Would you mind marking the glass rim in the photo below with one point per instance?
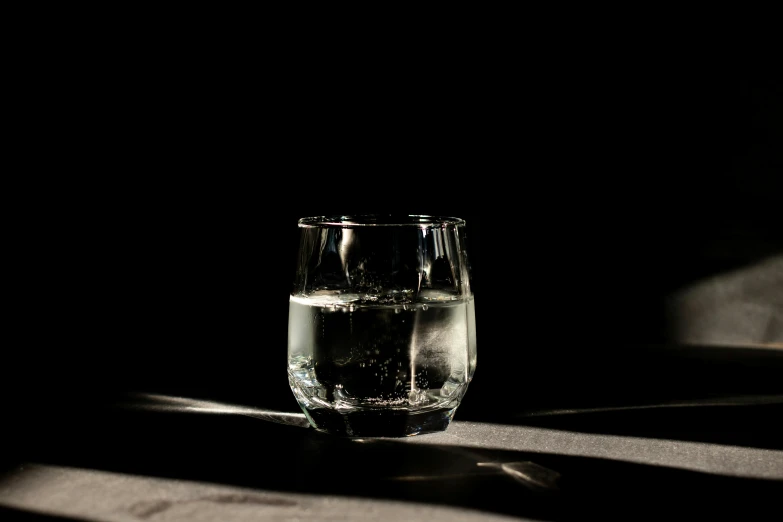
(381, 220)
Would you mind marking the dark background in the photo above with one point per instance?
(154, 179)
(162, 258)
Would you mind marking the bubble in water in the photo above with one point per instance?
(424, 307)
(397, 310)
(416, 396)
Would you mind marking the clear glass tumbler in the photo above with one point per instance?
(381, 324)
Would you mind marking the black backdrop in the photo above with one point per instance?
(590, 194)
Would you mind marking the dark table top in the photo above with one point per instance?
(619, 451)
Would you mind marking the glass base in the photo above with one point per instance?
(386, 423)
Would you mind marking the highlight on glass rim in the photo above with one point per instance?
(381, 328)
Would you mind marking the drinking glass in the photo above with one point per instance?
(381, 324)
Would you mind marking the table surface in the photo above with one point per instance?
(678, 452)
